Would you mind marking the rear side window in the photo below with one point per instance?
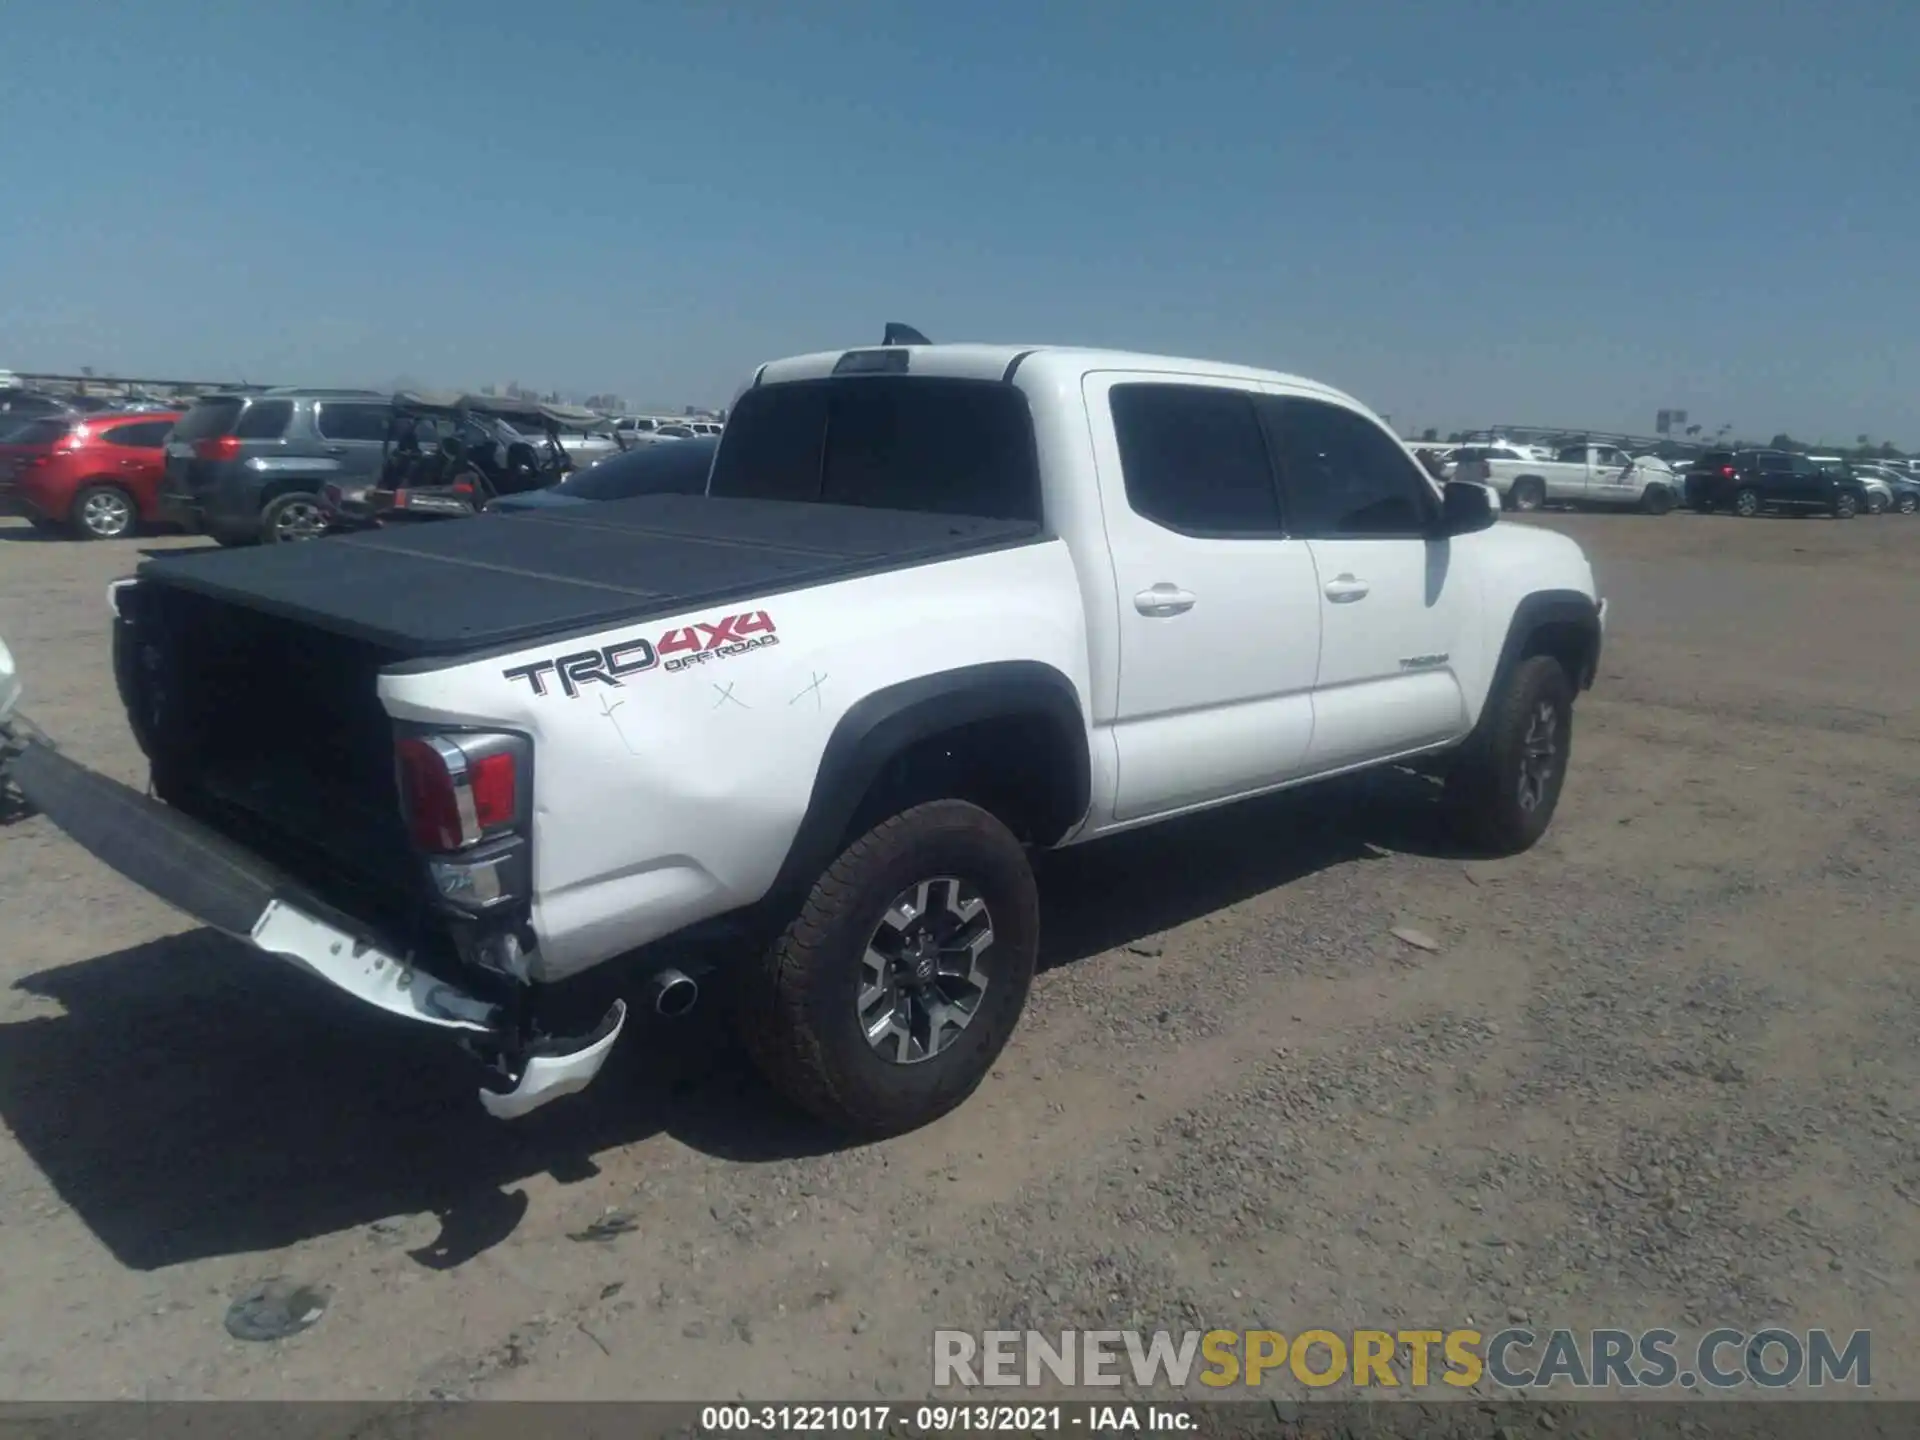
(209, 418)
(148, 435)
(265, 420)
(1343, 475)
(346, 420)
(948, 447)
(1192, 459)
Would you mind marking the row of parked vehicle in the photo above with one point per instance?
(1748, 481)
(292, 464)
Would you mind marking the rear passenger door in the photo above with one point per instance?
(1396, 604)
(1218, 614)
(351, 435)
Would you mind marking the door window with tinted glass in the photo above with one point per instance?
(348, 420)
(1192, 459)
(1342, 475)
(147, 435)
(265, 420)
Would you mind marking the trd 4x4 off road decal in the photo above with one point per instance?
(676, 650)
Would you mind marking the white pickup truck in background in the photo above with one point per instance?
(1597, 475)
(940, 605)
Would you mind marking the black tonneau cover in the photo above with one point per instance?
(500, 581)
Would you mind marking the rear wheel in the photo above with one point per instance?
(1846, 505)
(1528, 494)
(1746, 501)
(1907, 504)
(293, 516)
(103, 512)
(886, 1001)
(1502, 793)
(1657, 501)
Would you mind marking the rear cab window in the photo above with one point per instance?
(931, 444)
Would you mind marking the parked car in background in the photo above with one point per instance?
(95, 476)
(646, 470)
(1750, 482)
(1903, 489)
(19, 405)
(1585, 475)
(245, 468)
(1879, 493)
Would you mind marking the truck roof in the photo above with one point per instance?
(1001, 362)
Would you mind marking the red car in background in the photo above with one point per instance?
(97, 476)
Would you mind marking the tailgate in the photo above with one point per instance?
(183, 862)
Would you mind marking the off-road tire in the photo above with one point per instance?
(1483, 786)
(795, 1009)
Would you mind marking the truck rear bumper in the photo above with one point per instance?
(212, 880)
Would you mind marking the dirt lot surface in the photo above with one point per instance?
(1659, 1071)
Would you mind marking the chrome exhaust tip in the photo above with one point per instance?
(672, 993)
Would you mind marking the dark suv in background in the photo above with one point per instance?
(1748, 482)
(247, 468)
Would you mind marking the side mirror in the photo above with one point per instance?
(1465, 508)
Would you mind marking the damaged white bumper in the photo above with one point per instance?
(207, 877)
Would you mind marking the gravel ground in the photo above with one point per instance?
(1659, 1071)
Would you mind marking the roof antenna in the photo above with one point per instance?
(898, 334)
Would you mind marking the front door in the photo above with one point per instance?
(1218, 609)
(352, 433)
(1395, 602)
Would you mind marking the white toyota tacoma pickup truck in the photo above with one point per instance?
(940, 604)
(1602, 475)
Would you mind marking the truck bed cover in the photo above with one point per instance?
(460, 587)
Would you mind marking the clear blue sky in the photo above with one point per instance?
(1464, 212)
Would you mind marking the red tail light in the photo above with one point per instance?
(1726, 472)
(455, 791)
(220, 447)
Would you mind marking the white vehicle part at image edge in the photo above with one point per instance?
(9, 684)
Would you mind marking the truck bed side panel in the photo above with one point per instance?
(673, 796)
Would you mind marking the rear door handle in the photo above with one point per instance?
(1344, 589)
(336, 449)
(1163, 600)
